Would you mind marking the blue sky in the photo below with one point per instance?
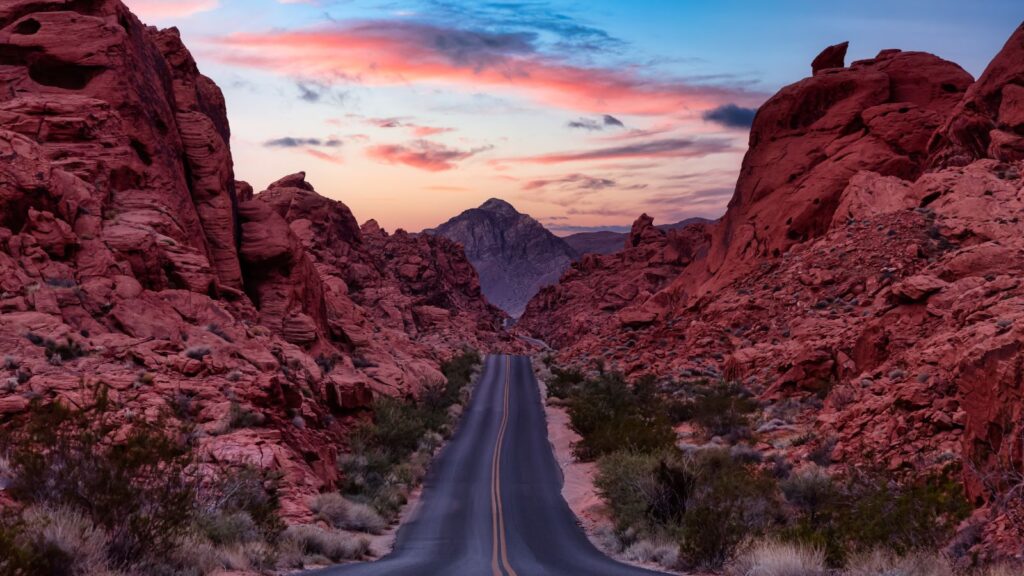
(581, 114)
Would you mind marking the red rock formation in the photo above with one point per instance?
(832, 57)
(843, 269)
(122, 229)
(811, 138)
(988, 123)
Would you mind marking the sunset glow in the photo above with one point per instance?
(576, 113)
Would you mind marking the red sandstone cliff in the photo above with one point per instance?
(873, 252)
(124, 231)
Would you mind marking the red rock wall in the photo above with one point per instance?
(123, 229)
(872, 254)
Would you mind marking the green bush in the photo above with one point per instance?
(139, 489)
(563, 382)
(102, 497)
(610, 416)
(377, 469)
(731, 502)
(720, 409)
(871, 512)
(709, 501)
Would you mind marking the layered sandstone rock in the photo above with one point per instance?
(844, 269)
(130, 254)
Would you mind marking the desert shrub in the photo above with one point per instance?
(380, 470)
(563, 382)
(709, 502)
(774, 558)
(610, 416)
(334, 509)
(198, 352)
(223, 528)
(664, 553)
(811, 491)
(139, 489)
(870, 512)
(723, 409)
(731, 502)
(243, 491)
(66, 534)
(103, 498)
(332, 545)
(902, 518)
(241, 417)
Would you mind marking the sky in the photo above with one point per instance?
(584, 114)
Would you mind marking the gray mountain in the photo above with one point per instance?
(514, 255)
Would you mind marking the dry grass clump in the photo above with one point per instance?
(665, 554)
(774, 558)
(75, 537)
(886, 563)
(339, 512)
(317, 544)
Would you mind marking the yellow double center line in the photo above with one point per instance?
(499, 555)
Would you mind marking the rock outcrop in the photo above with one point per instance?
(514, 255)
(607, 242)
(129, 254)
(871, 256)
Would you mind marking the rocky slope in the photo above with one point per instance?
(871, 255)
(514, 254)
(130, 254)
(607, 242)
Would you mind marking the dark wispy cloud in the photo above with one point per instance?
(585, 124)
(575, 181)
(610, 120)
(314, 92)
(731, 116)
(421, 154)
(594, 125)
(666, 148)
(299, 142)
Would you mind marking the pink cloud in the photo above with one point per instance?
(421, 154)
(321, 155)
(395, 53)
(163, 9)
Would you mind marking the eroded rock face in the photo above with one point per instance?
(845, 269)
(989, 122)
(811, 138)
(124, 231)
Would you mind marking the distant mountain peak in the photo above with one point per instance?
(514, 255)
(498, 205)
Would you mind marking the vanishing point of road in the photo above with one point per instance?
(492, 502)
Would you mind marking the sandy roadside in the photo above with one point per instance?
(578, 478)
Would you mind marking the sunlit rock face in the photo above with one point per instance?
(871, 255)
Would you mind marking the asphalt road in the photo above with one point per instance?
(492, 503)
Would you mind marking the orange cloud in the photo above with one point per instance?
(390, 53)
(421, 154)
